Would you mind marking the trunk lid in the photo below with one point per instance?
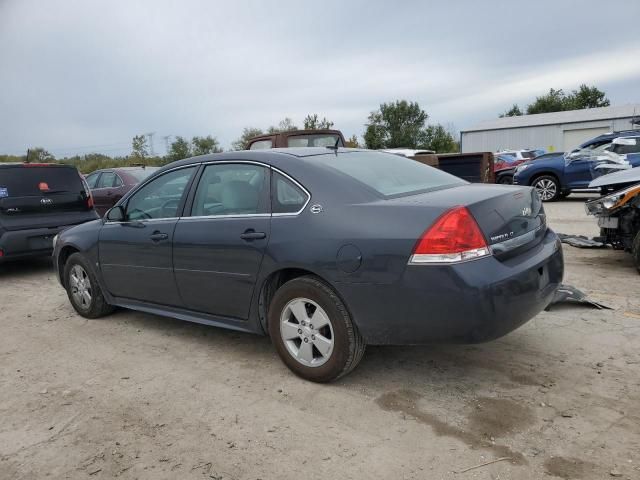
(511, 218)
(42, 196)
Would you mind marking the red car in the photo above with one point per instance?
(109, 185)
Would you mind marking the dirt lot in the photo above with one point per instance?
(139, 396)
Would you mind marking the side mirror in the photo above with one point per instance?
(116, 214)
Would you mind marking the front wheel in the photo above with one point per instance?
(312, 331)
(82, 288)
(547, 187)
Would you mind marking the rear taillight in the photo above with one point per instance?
(1, 253)
(87, 191)
(454, 237)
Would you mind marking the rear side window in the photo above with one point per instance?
(389, 175)
(287, 197)
(231, 189)
(319, 140)
(261, 145)
(108, 180)
(25, 181)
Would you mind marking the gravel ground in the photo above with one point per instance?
(139, 396)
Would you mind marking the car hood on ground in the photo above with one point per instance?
(625, 176)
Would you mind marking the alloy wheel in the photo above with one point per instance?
(546, 188)
(307, 332)
(80, 285)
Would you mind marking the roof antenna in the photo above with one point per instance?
(334, 147)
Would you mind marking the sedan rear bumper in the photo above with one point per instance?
(470, 302)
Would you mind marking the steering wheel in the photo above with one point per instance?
(173, 203)
(138, 214)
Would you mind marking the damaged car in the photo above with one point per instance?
(618, 210)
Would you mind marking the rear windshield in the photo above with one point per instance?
(317, 140)
(142, 173)
(24, 181)
(390, 175)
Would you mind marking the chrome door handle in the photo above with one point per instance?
(253, 235)
(159, 236)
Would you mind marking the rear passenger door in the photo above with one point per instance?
(218, 247)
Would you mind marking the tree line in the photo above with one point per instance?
(397, 124)
(559, 101)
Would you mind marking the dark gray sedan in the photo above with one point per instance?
(323, 250)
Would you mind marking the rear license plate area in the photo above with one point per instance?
(41, 242)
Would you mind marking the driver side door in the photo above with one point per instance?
(136, 254)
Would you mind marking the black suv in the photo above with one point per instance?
(36, 202)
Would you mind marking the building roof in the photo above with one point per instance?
(554, 118)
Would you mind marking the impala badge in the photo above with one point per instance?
(526, 211)
(46, 201)
(316, 208)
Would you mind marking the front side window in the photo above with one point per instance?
(161, 197)
(261, 145)
(92, 180)
(231, 189)
(287, 197)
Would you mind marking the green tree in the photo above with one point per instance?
(204, 145)
(312, 122)
(285, 125)
(247, 133)
(397, 124)
(39, 155)
(514, 111)
(179, 149)
(587, 97)
(438, 139)
(558, 101)
(352, 142)
(554, 101)
(139, 147)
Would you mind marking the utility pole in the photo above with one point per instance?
(150, 137)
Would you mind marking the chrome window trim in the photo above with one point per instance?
(275, 169)
(141, 185)
(210, 217)
(307, 193)
(142, 220)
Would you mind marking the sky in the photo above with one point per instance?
(86, 76)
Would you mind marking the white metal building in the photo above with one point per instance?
(553, 132)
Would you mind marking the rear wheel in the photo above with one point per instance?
(312, 330)
(547, 187)
(505, 180)
(83, 290)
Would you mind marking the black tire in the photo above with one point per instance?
(547, 187)
(635, 250)
(93, 307)
(347, 344)
(506, 180)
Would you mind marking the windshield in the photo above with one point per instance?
(26, 181)
(142, 173)
(388, 174)
(319, 140)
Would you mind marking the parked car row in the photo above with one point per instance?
(556, 175)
